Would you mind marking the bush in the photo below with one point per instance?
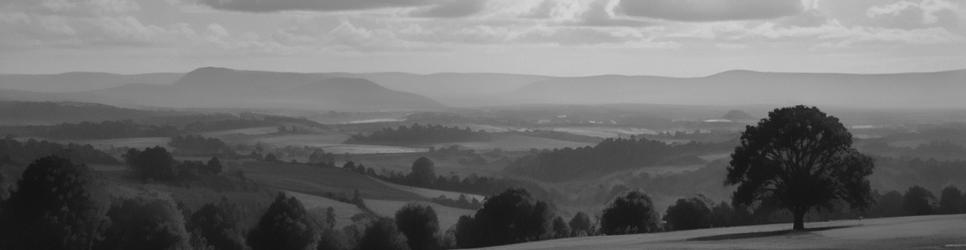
(420, 225)
(143, 224)
(53, 207)
(629, 214)
(688, 214)
(284, 226)
(951, 201)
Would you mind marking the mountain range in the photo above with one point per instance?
(212, 87)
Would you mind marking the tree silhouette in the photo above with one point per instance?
(152, 163)
(420, 225)
(580, 224)
(560, 228)
(218, 224)
(423, 172)
(509, 217)
(799, 158)
(382, 235)
(144, 224)
(918, 201)
(951, 201)
(284, 226)
(53, 207)
(688, 214)
(629, 214)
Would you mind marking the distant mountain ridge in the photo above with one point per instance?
(945, 89)
(212, 87)
(379, 91)
(81, 81)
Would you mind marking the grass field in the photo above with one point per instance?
(318, 204)
(433, 193)
(920, 232)
(319, 180)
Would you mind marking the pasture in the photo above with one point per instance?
(919, 232)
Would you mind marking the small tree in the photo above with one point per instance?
(889, 205)
(213, 166)
(382, 234)
(560, 228)
(423, 172)
(629, 214)
(144, 224)
(510, 217)
(688, 214)
(951, 201)
(284, 226)
(918, 201)
(799, 158)
(55, 206)
(152, 163)
(420, 225)
(580, 224)
(218, 225)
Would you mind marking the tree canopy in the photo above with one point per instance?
(55, 206)
(284, 226)
(420, 225)
(629, 214)
(799, 158)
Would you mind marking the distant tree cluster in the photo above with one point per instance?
(419, 134)
(198, 145)
(16, 152)
(608, 156)
(918, 200)
(96, 130)
(510, 217)
(423, 174)
(156, 163)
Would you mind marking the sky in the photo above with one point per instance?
(547, 37)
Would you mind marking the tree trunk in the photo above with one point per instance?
(799, 219)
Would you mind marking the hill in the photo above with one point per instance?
(920, 232)
(20, 113)
(227, 88)
(902, 90)
(81, 81)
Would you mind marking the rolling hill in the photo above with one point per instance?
(227, 88)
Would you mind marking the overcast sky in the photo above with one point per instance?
(554, 37)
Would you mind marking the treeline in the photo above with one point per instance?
(58, 204)
(13, 151)
(419, 134)
(157, 164)
(168, 126)
(94, 130)
(609, 156)
(423, 174)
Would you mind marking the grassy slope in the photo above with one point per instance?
(319, 180)
(921, 232)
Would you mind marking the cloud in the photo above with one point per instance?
(451, 9)
(917, 14)
(710, 10)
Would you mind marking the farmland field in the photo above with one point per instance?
(320, 180)
(318, 204)
(517, 143)
(139, 142)
(920, 232)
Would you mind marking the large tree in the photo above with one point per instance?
(56, 205)
(799, 158)
(285, 225)
(629, 214)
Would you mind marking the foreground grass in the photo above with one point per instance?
(918, 232)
